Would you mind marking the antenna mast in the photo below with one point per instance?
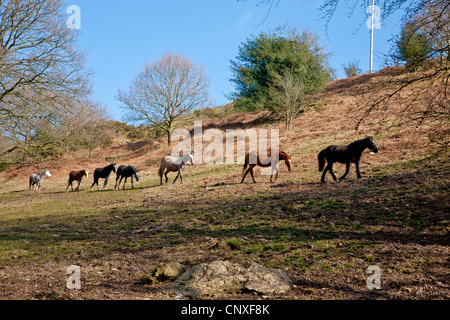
(371, 37)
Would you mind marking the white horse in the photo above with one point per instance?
(172, 164)
(36, 179)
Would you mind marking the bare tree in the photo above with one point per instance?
(165, 89)
(429, 87)
(38, 56)
(41, 72)
(287, 93)
(269, 4)
(434, 21)
(52, 131)
(424, 94)
(352, 69)
(86, 126)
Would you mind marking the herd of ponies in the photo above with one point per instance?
(332, 154)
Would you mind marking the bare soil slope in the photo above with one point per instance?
(324, 236)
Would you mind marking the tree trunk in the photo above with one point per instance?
(169, 133)
(288, 123)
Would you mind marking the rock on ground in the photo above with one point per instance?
(170, 270)
(222, 277)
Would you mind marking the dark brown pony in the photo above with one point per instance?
(78, 176)
(269, 162)
(344, 154)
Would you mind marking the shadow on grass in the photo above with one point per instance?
(369, 210)
(402, 209)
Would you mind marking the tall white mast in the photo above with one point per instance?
(371, 37)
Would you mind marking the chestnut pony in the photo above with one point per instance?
(78, 176)
(270, 161)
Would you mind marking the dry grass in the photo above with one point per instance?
(323, 235)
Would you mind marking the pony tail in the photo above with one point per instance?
(161, 170)
(321, 158)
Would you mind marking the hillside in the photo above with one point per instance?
(324, 236)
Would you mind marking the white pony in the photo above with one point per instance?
(172, 164)
(36, 179)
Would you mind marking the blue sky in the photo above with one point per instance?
(120, 36)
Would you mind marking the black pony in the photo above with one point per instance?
(125, 172)
(345, 154)
(103, 173)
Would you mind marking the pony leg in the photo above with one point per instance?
(251, 173)
(245, 174)
(176, 177)
(106, 182)
(78, 186)
(124, 183)
(323, 175)
(358, 173)
(347, 170)
(332, 173)
(165, 174)
(132, 184)
(276, 175)
(161, 172)
(181, 177)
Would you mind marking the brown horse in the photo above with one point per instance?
(270, 161)
(78, 176)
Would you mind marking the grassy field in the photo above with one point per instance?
(324, 236)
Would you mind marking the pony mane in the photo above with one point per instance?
(134, 169)
(284, 153)
(358, 141)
